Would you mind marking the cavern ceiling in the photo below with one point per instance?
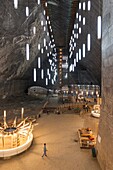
(16, 30)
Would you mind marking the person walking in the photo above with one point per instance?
(45, 149)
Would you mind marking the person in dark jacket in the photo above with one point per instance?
(45, 149)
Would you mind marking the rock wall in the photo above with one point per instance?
(105, 134)
(15, 31)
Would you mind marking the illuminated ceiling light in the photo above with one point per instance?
(42, 74)
(77, 35)
(15, 4)
(74, 44)
(66, 76)
(52, 81)
(70, 54)
(79, 54)
(47, 33)
(84, 6)
(49, 22)
(46, 81)
(80, 30)
(39, 47)
(74, 62)
(80, 18)
(88, 42)
(77, 25)
(77, 15)
(46, 47)
(53, 40)
(89, 5)
(70, 68)
(39, 62)
(49, 76)
(80, 5)
(72, 31)
(48, 71)
(74, 26)
(42, 23)
(76, 57)
(47, 17)
(99, 27)
(38, 1)
(44, 42)
(46, 4)
(34, 74)
(44, 28)
(34, 30)
(27, 11)
(84, 20)
(27, 51)
(51, 36)
(44, 12)
(84, 50)
(47, 54)
(42, 50)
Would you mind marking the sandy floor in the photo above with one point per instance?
(60, 133)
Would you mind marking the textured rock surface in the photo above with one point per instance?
(105, 140)
(15, 32)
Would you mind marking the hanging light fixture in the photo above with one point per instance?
(88, 42)
(84, 50)
(34, 74)
(45, 4)
(27, 51)
(15, 4)
(89, 5)
(38, 1)
(79, 54)
(39, 47)
(76, 57)
(27, 11)
(99, 27)
(34, 30)
(42, 74)
(39, 62)
(46, 81)
(44, 42)
(84, 20)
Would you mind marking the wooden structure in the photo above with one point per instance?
(86, 138)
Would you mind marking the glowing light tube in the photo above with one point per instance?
(15, 4)
(38, 1)
(27, 51)
(88, 42)
(84, 50)
(42, 74)
(34, 74)
(27, 11)
(89, 5)
(76, 57)
(79, 54)
(46, 81)
(99, 27)
(34, 30)
(39, 62)
(84, 20)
